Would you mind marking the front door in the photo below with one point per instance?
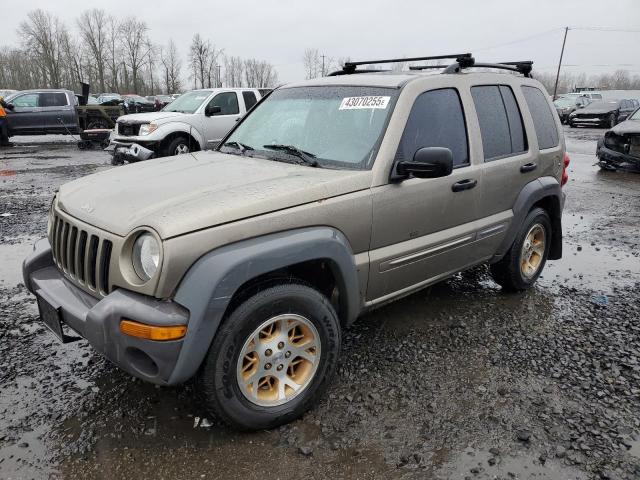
(25, 118)
(218, 124)
(423, 229)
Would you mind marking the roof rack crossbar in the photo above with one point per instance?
(350, 67)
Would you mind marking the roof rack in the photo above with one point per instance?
(462, 61)
(350, 68)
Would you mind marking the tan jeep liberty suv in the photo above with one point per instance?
(240, 267)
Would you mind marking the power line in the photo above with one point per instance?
(519, 40)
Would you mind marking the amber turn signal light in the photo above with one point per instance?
(152, 332)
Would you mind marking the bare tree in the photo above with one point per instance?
(43, 35)
(113, 52)
(171, 65)
(93, 28)
(259, 74)
(199, 56)
(135, 47)
(312, 63)
(233, 71)
(213, 71)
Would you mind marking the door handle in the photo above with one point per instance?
(528, 167)
(467, 184)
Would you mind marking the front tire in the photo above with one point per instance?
(272, 358)
(522, 265)
(612, 120)
(177, 146)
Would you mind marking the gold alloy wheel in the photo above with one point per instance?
(533, 250)
(278, 360)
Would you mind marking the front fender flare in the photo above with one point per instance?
(211, 282)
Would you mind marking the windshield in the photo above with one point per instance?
(565, 102)
(337, 126)
(189, 102)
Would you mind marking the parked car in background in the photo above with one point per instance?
(160, 101)
(137, 104)
(5, 93)
(586, 94)
(565, 106)
(109, 98)
(194, 121)
(603, 113)
(620, 146)
(39, 112)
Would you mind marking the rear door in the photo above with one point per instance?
(516, 151)
(218, 124)
(508, 163)
(25, 118)
(57, 111)
(423, 228)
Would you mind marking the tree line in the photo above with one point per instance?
(115, 55)
(317, 65)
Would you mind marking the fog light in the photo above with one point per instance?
(152, 332)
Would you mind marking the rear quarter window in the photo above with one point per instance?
(543, 120)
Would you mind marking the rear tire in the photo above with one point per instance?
(522, 265)
(246, 377)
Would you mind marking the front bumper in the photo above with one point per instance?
(609, 158)
(98, 320)
(133, 151)
(588, 121)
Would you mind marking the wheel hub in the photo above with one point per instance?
(278, 360)
(533, 250)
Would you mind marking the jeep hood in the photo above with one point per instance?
(148, 117)
(177, 195)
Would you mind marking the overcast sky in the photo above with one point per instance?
(279, 30)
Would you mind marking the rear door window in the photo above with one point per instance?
(500, 121)
(543, 120)
(249, 99)
(53, 99)
(436, 120)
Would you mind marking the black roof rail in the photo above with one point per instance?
(351, 67)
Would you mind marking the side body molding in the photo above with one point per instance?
(544, 190)
(211, 282)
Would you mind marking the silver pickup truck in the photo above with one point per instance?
(194, 121)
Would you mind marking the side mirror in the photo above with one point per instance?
(212, 110)
(428, 162)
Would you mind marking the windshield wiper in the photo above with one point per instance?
(238, 146)
(306, 157)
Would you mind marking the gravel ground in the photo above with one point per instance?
(457, 381)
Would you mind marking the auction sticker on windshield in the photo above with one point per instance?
(355, 103)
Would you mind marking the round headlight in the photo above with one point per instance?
(146, 256)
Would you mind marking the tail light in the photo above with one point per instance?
(565, 174)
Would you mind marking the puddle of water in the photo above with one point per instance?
(11, 257)
(18, 457)
(524, 466)
(596, 268)
(634, 451)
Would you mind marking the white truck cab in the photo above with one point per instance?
(196, 120)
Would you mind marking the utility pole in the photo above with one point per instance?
(322, 65)
(219, 79)
(555, 88)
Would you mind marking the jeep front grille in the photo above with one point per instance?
(83, 256)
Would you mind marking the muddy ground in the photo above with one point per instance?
(457, 381)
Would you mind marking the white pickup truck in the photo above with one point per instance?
(196, 120)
